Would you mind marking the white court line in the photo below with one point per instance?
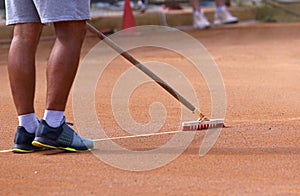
(3, 151)
(265, 120)
(121, 137)
(191, 123)
(136, 136)
(124, 137)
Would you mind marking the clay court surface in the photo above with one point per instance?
(258, 153)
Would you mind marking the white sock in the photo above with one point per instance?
(197, 13)
(53, 118)
(29, 122)
(221, 8)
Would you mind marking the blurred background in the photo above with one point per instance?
(108, 14)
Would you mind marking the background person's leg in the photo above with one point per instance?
(196, 5)
(219, 3)
(222, 15)
(199, 20)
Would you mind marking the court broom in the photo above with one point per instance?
(202, 123)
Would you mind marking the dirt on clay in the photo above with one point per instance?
(258, 152)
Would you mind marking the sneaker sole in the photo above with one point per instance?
(41, 145)
(20, 149)
(201, 28)
(231, 22)
(226, 23)
(17, 150)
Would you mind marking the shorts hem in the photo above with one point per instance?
(13, 22)
(62, 19)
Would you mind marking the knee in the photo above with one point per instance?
(27, 33)
(70, 30)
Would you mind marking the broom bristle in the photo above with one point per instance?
(198, 125)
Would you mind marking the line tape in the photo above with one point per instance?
(136, 136)
(4, 151)
(264, 120)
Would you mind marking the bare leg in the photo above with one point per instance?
(199, 19)
(219, 3)
(196, 5)
(63, 62)
(21, 65)
(222, 16)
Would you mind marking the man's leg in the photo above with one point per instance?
(21, 65)
(53, 132)
(21, 70)
(63, 62)
(62, 67)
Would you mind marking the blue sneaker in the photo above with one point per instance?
(62, 137)
(23, 140)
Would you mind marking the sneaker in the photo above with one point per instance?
(23, 140)
(200, 21)
(63, 137)
(224, 17)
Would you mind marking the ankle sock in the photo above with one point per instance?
(29, 122)
(197, 13)
(53, 117)
(220, 8)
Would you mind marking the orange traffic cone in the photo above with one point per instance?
(128, 18)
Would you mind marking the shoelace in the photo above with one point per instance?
(70, 123)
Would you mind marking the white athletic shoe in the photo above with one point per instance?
(200, 21)
(224, 17)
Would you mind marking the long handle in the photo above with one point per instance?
(148, 72)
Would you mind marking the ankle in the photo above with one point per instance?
(29, 122)
(53, 118)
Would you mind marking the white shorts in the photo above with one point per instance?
(46, 11)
